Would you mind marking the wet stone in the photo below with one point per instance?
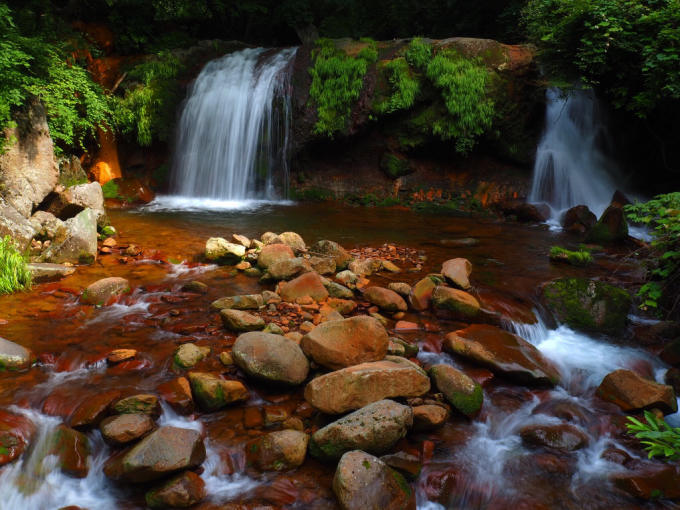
(118, 430)
(212, 393)
(147, 404)
(563, 437)
(279, 451)
(93, 410)
(103, 291)
(177, 393)
(408, 465)
(180, 491)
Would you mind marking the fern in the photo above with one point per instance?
(661, 439)
(404, 87)
(14, 272)
(418, 53)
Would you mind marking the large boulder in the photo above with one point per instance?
(364, 481)
(503, 353)
(457, 303)
(280, 451)
(360, 385)
(612, 226)
(464, 394)
(579, 218)
(103, 291)
(293, 241)
(347, 342)
(77, 198)
(587, 304)
(334, 251)
(220, 250)
(122, 429)
(247, 302)
(237, 320)
(75, 241)
(212, 393)
(14, 356)
(374, 429)
(364, 267)
(322, 265)
(165, 451)
(420, 296)
(456, 272)
(41, 272)
(28, 170)
(180, 491)
(13, 224)
(634, 393)
(564, 437)
(386, 299)
(271, 358)
(308, 284)
(288, 269)
(273, 253)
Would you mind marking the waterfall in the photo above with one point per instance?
(233, 134)
(572, 166)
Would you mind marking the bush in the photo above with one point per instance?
(14, 273)
(418, 54)
(661, 439)
(404, 87)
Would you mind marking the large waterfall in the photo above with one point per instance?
(233, 135)
(572, 166)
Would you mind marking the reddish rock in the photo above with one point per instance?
(429, 417)
(634, 393)
(308, 284)
(408, 465)
(119, 430)
(579, 216)
(177, 393)
(15, 431)
(562, 437)
(421, 294)
(386, 299)
(273, 253)
(72, 450)
(93, 410)
(181, 491)
(657, 482)
(120, 355)
(456, 272)
(406, 326)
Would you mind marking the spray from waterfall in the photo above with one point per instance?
(234, 132)
(572, 166)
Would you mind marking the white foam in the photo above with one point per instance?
(173, 203)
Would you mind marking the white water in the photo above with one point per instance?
(572, 167)
(233, 135)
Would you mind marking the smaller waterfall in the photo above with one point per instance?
(233, 135)
(572, 166)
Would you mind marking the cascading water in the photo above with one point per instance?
(572, 166)
(233, 134)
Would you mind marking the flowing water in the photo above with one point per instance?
(233, 134)
(573, 165)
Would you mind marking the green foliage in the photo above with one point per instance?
(463, 84)
(39, 61)
(661, 439)
(404, 87)
(418, 53)
(14, 272)
(662, 216)
(337, 80)
(110, 190)
(148, 109)
(580, 258)
(631, 47)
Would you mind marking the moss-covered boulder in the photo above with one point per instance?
(104, 291)
(464, 394)
(587, 304)
(395, 165)
(456, 303)
(147, 404)
(188, 355)
(247, 302)
(221, 251)
(612, 226)
(212, 393)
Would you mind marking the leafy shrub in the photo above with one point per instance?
(418, 53)
(661, 439)
(662, 215)
(14, 273)
(404, 87)
(580, 258)
(110, 190)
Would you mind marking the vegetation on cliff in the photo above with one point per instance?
(14, 272)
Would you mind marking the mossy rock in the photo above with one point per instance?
(394, 165)
(587, 304)
(611, 227)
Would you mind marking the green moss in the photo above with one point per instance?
(366, 464)
(110, 190)
(86, 258)
(447, 209)
(599, 234)
(575, 258)
(401, 482)
(395, 166)
(312, 195)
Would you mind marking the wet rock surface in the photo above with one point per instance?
(271, 358)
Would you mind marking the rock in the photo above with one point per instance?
(294, 336)
(421, 294)
(274, 329)
(429, 417)
(128, 191)
(269, 297)
(28, 171)
(382, 320)
(271, 358)
(195, 287)
(102, 292)
(293, 241)
(652, 483)
(119, 355)
(342, 306)
(587, 304)
(364, 481)
(619, 199)
(671, 353)
(248, 302)
(464, 394)
(617, 456)
(410, 350)
(390, 267)
(147, 404)
(72, 451)
(666, 329)
(386, 299)
(339, 291)
(41, 272)
(242, 240)
(612, 226)
(394, 349)
(579, 216)
(236, 320)
(280, 451)
(177, 393)
(288, 269)
(270, 238)
(273, 253)
(75, 242)
(92, 411)
(346, 277)
(163, 452)
(563, 437)
(456, 272)
(374, 429)
(633, 393)
(459, 303)
(242, 266)
(13, 224)
(222, 251)
(309, 284)
(402, 289)
(360, 385)
(503, 353)
(46, 225)
(187, 356)
(76, 199)
(322, 265)
(15, 432)
(362, 267)
(14, 357)
(340, 344)
(408, 465)
(125, 428)
(538, 213)
(332, 250)
(212, 393)
(180, 491)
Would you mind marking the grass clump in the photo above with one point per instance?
(14, 272)
(580, 258)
